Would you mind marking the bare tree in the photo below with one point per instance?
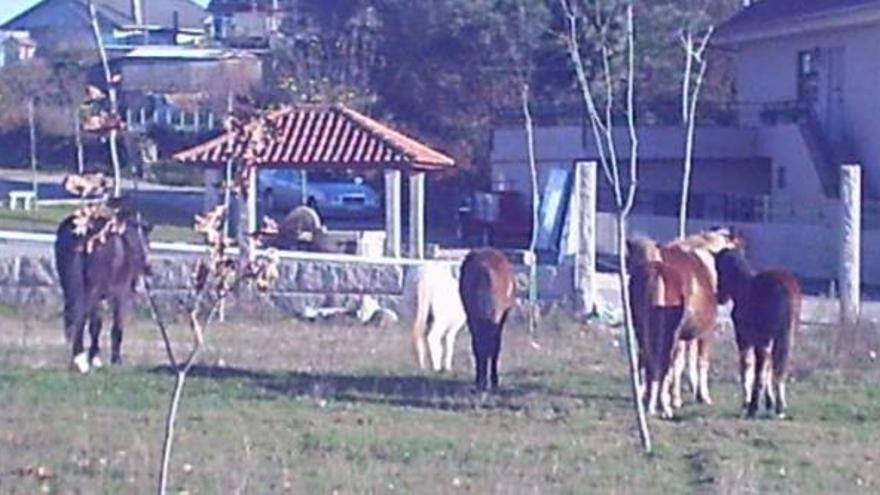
(595, 18)
(112, 121)
(692, 83)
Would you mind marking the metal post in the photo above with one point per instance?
(584, 226)
(392, 213)
(417, 215)
(850, 242)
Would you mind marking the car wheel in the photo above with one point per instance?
(269, 201)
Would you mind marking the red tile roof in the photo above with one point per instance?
(326, 136)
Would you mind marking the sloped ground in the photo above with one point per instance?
(320, 408)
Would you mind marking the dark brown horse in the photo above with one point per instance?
(487, 290)
(766, 315)
(92, 271)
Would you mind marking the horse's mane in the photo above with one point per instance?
(714, 241)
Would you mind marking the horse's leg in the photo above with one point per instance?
(449, 345)
(780, 373)
(667, 389)
(681, 351)
(769, 392)
(95, 334)
(693, 352)
(420, 345)
(481, 356)
(703, 390)
(747, 373)
(121, 306)
(77, 321)
(494, 353)
(435, 344)
(762, 361)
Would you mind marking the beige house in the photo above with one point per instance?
(806, 76)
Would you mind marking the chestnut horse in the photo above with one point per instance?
(693, 262)
(766, 315)
(658, 297)
(487, 291)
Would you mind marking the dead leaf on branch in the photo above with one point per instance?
(86, 184)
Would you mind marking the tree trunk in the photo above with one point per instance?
(77, 138)
(111, 92)
(533, 175)
(629, 330)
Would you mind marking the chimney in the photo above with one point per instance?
(137, 12)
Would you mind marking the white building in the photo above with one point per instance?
(806, 74)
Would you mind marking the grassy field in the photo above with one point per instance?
(281, 406)
(46, 220)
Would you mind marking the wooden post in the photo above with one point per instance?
(584, 195)
(392, 213)
(32, 126)
(252, 212)
(417, 214)
(212, 196)
(850, 242)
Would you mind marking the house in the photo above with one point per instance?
(177, 70)
(64, 25)
(811, 64)
(15, 47)
(806, 103)
(249, 23)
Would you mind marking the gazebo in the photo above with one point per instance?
(334, 136)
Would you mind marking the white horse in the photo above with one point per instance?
(430, 293)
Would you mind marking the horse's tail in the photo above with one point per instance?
(68, 264)
(790, 322)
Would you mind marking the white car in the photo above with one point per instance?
(281, 190)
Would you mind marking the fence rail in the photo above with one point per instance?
(140, 120)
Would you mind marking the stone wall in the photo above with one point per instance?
(32, 281)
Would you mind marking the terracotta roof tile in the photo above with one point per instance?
(336, 136)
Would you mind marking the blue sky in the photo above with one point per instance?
(11, 8)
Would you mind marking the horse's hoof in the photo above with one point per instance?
(677, 403)
(81, 363)
(97, 362)
(781, 415)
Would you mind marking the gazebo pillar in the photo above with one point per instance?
(392, 213)
(248, 225)
(417, 214)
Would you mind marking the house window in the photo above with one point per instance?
(807, 76)
(781, 178)
(222, 26)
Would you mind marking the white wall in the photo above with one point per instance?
(767, 72)
(810, 251)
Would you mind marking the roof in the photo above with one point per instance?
(119, 13)
(178, 52)
(229, 6)
(326, 136)
(768, 17)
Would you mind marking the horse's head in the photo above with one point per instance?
(136, 237)
(733, 269)
(641, 250)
